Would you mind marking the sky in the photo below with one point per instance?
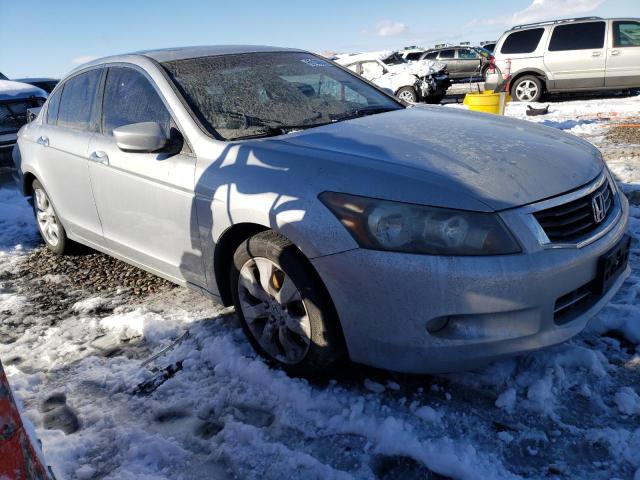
(45, 38)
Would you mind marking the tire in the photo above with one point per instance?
(408, 94)
(298, 332)
(527, 89)
(49, 226)
(434, 99)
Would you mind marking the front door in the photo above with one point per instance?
(623, 54)
(576, 55)
(145, 200)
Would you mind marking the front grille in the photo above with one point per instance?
(571, 221)
(13, 113)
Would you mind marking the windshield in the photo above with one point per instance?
(261, 94)
(394, 59)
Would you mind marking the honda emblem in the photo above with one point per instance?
(598, 207)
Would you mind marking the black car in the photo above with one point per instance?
(46, 84)
(462, 62)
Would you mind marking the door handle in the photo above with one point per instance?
(596, 54)
(615, 52)
(99, 157)
(44, 141)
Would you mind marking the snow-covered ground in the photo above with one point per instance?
(163, 384)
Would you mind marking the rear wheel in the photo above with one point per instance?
(284, 308)
(408, 94)
(527, 89)
(49, 225)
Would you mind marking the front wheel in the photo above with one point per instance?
(527, 89)
(284, 309)
(408, 94)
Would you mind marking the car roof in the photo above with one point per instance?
(564, 21)
(183, 53)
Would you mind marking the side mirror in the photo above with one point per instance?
(140, 137)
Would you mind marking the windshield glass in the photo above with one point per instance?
(261, 94)
(394, 59)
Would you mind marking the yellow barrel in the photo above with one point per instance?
(487, 102)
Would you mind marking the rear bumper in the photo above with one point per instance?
(391, 305)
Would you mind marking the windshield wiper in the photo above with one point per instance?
(363, 112)
(277, 129)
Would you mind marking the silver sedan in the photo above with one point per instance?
(340, 222)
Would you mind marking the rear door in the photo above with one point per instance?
(63, 142)
(448, 57)
(623, 54)
(145, 200)
(575, 57)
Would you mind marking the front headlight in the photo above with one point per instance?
(403, 227)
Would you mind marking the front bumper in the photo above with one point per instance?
(491, 307)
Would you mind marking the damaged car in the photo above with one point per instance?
(418, 81)
(16, 98)
(341, 222)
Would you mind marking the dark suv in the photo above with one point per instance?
(462, 61)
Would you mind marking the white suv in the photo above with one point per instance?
(578, 54)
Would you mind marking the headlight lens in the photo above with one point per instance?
(402, 227)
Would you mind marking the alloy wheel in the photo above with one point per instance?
(407, 96)
(46, 216)
(274, 310)
(526, 91)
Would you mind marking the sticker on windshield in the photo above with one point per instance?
(315, 62)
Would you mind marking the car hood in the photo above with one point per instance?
(10, 90)
(500, 162)
(421, 68)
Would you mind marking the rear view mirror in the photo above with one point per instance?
(140, 137)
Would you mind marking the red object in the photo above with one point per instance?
(18, 458)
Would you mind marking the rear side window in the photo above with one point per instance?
(447, 53)
(626, 34)
(54, 105)
(414, 55)
(579, 36)
(525, 41)
(129, 98)
(77, 100)
(431, 55)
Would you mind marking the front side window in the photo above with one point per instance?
(77, 100)
(626, 34)
(431, 55)
(265, 94)
(467, 54)
(525, 41)
(447, 53)
(130, 98)
(578, 36)
(53, 106)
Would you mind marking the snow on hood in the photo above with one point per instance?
(421, 68)
(10, 90)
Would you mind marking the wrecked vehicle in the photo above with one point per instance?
(15, 99)
(419, 81)
(339, 221)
